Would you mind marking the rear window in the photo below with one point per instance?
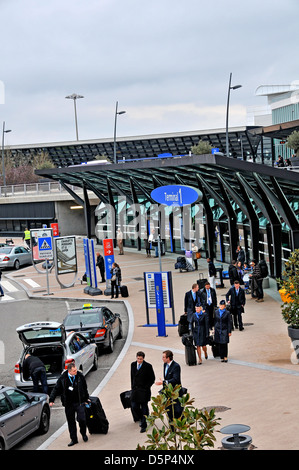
(46, 334)
(5, 250)
(83, 319)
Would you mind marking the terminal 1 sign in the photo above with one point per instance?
(176, 195)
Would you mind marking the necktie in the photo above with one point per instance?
(166, 369)
(138, 366)
(209, 297)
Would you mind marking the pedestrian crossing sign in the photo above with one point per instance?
(45, 248)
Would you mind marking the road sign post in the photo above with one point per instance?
(109, 260)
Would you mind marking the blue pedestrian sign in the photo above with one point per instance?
(45, 246)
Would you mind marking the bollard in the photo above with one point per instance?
(236, 441)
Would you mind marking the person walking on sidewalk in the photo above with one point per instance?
(208, 300)
(236, 297)
(142, 378)
(200, 331)
(211, 273)
(256, 282)
(120, 242)
(115, 279)
(101, 265)
(72, 388)
(222, 329)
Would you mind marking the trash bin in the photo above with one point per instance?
(236, 441)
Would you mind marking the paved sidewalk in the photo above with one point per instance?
(257, 387)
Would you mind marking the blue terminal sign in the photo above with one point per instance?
(176, 195)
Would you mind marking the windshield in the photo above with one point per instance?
(83, 319)
(5, 250)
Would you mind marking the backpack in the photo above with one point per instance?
(263, 268)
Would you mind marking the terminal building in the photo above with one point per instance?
(245, 199)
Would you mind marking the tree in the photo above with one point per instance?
(201, 148)
(194, 430)
(293, 142)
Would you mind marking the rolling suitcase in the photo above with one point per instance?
(183, 326)
(124, 291)
(125, 398)
(190, 354)
(201, 281)
(96, 420)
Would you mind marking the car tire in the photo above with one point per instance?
(95, 361)
(44, 421)
(17, 264)
(120, 334)
(111, 345)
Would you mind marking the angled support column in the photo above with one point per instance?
(137, 213)
(231, 218)
(210, 241)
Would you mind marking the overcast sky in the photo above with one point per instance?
(167, 63)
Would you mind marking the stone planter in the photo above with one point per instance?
(294, 335)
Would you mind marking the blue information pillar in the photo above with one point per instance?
(160, 305)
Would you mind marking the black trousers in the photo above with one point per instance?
(140, 411)
(71, 411)
(237, 316)
(39, 375)
(223, 350)
(114, 287)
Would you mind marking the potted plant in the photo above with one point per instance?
(289, 293)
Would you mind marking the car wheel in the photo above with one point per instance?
(111, 346)
(95, 361)
(44, 421)
(17, 264)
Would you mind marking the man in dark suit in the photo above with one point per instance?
(172, 375)
(142, 378)
(208, 300)
(233, 272)
(237, 302)
(192, 299)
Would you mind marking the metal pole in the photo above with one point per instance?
(114, 140)
(76, 122)
(227, 111)
(3, 165)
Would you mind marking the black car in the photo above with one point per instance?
(97, 323)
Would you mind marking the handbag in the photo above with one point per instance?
(198, 255)
(113, 277)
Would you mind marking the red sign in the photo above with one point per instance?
(55, 229)
(108, 247)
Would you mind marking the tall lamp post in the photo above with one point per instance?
(227, 110)
(75, 97)
(115, 120)
(3, 163)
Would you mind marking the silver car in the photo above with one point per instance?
(14, 256)
(50, 342)
(21, 414)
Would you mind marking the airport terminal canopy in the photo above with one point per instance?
(243, 192)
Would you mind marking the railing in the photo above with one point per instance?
(35, 189)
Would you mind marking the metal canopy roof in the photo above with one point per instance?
(277, 131)
(148, 173)
(130, 148)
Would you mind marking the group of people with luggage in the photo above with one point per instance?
(204, 314)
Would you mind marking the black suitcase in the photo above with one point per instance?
(96, 420)
(201, 282)
(124, 291)
(190, 353)
(125, 398)
(183, 326)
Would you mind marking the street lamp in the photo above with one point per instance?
(115, 119)
(3, 163)
(227, 110)
(75, 97)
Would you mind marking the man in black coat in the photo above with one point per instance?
(33, 367)
(237, 302)
(72, 388)
(172, 375)
(142, 378)
(208, 300)
(101, 265)
(192, 299)
(233, 272)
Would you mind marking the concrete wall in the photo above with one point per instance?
(72, 221)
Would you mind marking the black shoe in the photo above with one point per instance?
(241, 328)
(72, 443)
(85, 438)
(142, 429)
